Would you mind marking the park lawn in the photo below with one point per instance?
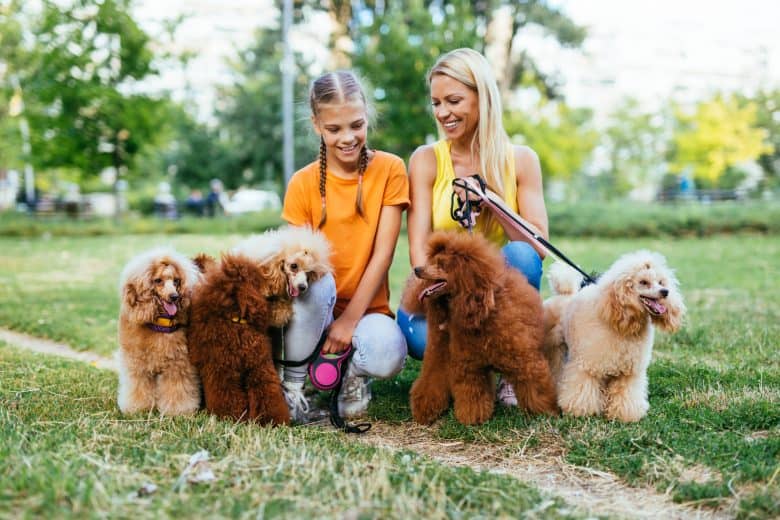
(713, 432)
(66, 452)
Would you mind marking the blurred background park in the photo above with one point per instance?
(175, 109)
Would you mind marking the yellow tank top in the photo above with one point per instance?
(442, 193)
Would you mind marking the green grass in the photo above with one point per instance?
(67, 453)
(712, 434)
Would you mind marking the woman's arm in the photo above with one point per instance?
(530, 195)
(341, 330)
(422, 174)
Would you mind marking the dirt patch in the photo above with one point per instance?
(589, 490)
(45, 346)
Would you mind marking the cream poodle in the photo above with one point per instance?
(304, 254)
(154, 367)
(609, 329)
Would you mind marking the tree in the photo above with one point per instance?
(252, 112)
(88, 56)
(635, 145)
(12, 59)
(563, 139)
(718, 134)
(767, 103)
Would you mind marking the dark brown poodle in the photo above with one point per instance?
(483, 316)
(229, 341)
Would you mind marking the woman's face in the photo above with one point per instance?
(455, 107)
(343, 126)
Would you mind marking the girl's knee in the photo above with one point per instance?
(380, 347)
(523, 257)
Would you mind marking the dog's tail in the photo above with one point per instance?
(563, 279)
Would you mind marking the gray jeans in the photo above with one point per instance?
(380, 347)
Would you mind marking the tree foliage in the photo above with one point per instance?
(87, 58)
(563, 139)
(767, 103)
(252, 112)
(718, 134)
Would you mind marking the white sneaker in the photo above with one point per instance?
(506, 394)
(354, 396)
(296, 401)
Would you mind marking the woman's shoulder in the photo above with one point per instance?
(423, 157)
(527, 165)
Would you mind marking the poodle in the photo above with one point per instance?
(154, 368)
(304, 254)
(608, 328)
(232, 311)
(483, 316)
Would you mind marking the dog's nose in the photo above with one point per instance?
(418, 271)
(664, 293)
(174, 297)
(302, 287)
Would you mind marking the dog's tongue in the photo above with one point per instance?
(170, 308)
(658, 307)
(430, 290)
(292, 290)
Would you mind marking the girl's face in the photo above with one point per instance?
(343, 126)
(455, 107)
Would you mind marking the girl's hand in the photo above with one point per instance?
(339, 336)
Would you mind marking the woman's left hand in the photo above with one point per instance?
(339, 336)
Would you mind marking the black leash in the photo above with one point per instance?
(335, 418)
(463, 212)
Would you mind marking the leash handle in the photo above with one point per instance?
(466, 183)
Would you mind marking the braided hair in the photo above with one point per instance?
(338, 87)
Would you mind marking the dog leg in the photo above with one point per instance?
(533, 384)
(627, 398)
(430, 394)
(178, 390)
(136, 392)
(579, 393)
(265, 398)
(473, 392)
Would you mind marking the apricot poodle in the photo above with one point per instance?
(483, 316)
(304, 254)
(232, 311)
(154, 367)
(608, 328)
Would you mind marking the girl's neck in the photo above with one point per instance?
(343, 170)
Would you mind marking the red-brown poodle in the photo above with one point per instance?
(483, 316)
(229, 340)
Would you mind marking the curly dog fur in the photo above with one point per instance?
(483, 316)
(230, 345)
(304, 254)
(154, 368)
(609, 329)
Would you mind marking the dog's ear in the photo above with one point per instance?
(622, 308)
(273, 272)
(473, 300)
(130, 294)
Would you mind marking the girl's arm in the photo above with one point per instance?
(530, 195)
(422, 174)
(341, 331)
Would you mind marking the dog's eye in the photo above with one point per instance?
(158, 280)
(177, 281)
(643, 282)
(294, 267)
(272, 298)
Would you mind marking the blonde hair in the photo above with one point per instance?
(338, 87)
(472, 69)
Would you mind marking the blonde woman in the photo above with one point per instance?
(467, 108)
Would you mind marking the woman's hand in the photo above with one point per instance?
(340, 335)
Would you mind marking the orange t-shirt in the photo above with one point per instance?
(351, 236)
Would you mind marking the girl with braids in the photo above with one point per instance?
(355, 196)
(467, 109)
